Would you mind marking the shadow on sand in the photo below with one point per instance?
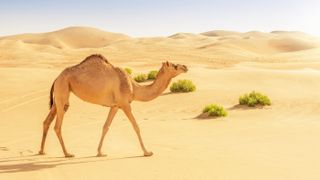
(37, 162)
(205, 116)
(243, 107)
(171, 93)
(167, 93)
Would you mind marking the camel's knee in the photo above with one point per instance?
(46, 124)
(106, 127)
(57, 129)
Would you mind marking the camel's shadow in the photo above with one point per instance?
(36, 163)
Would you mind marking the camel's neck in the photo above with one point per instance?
(149, 92)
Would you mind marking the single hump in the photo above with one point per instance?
(95, 57)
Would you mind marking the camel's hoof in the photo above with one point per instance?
(148, 153)
(69, 155)
(41, 153)
(101, 155)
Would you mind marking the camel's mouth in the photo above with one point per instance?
(184, 68)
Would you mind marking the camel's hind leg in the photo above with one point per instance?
(46, 125)
(112, 113)
(57, 128)
(61, 101)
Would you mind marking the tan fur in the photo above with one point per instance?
(96, 81)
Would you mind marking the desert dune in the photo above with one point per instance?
(275, 142)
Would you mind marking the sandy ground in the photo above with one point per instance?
(276, 142)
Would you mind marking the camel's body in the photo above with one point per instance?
(96, 81)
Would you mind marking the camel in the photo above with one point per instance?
(96, 81)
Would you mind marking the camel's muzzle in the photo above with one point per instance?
(185, 69)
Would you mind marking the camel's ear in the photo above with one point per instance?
(165, 64)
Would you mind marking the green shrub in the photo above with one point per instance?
(152, 74)
(215, 110)
(254, 98)
(141, 78)
(128, 70)
(183, 86)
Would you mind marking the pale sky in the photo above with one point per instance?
(160, 17)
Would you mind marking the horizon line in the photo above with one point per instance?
(158, 35)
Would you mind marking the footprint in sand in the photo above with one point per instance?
(25, 152)
(4, 149)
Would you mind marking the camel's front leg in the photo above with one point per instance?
(127, 111)
(112, 113)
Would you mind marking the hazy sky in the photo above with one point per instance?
(160, 17)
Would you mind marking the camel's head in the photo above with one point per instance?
(174, 69)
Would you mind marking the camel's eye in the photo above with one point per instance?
(175, 66)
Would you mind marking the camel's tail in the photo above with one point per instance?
(51, 96)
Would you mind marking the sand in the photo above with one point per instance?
(276, 142)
